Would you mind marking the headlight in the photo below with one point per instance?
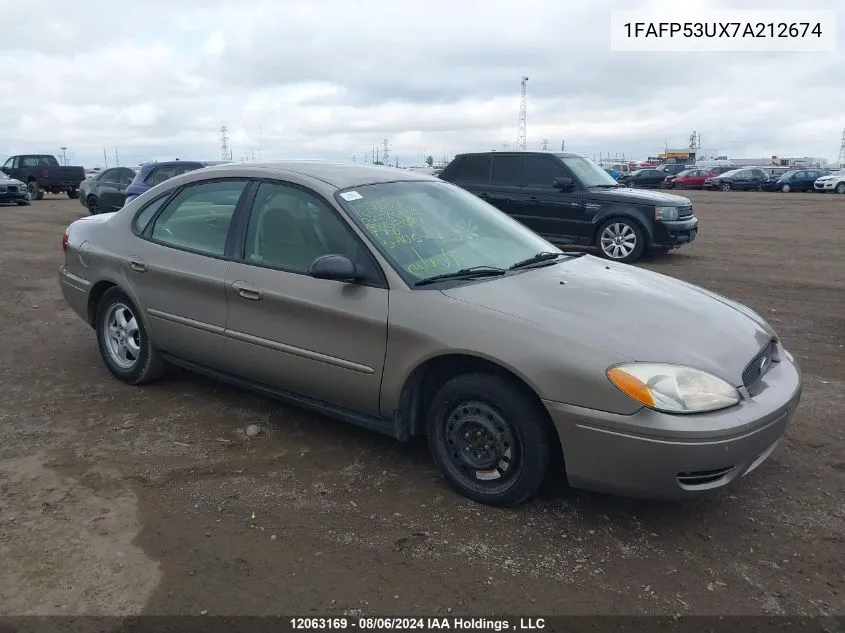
(673, 388)
(666, 213)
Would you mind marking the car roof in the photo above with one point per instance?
(170, 163)
(522, 152)
(335, 173)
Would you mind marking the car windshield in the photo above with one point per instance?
(588, 173)
(686, 172)
(430, 228)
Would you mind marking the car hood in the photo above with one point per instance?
(10, 181)
(639, 196)
(636, 314)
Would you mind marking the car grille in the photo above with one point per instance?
(685, 212)
(759, 365)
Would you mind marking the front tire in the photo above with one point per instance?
(840, 188)
(35, 192)
(124, 344)
(726, 186)
(489, 439)
(786, 188)
(620, 240)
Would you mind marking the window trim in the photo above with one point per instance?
(241, 224)
(171, 195)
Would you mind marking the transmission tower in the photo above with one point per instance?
(842, 151)
(225, 152)
(523, 116)
(64, 155)
(545, 144)
(385, 152)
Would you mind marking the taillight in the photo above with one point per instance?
(65, 237)
(44, 173)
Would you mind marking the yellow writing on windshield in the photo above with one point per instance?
(395, 224)
(441, 262)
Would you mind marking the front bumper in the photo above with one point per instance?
(661, 456)
(826, 186)
(672, 234)
(14, 194)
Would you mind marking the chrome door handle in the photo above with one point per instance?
(137, 264)
(248, 291)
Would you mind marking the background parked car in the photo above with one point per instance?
(833, 182)
(151, 174)
(13, 190)
(751, 178)
(106, 191)
(569, 199)
(693, 178)
(42, 172)
(796, 180)
(643, 178)
(671, 169)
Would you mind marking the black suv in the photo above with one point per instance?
(740, 179)
(569, 199)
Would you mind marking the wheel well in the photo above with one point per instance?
(30, 179)
(424, 382)
(94, 297)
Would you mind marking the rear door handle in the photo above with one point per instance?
(137, 264)
(248, 291)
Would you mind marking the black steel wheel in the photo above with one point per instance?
(489, 439)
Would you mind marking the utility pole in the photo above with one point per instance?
(562, 145)
(225, 152)
(385, 154)
(105, 159)
(842, 151)
(545, 144)
(116, 158)
(521, 130)
(259, 143)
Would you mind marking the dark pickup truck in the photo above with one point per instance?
(570, 200)
(42, 172)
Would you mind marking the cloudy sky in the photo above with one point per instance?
(333, 78)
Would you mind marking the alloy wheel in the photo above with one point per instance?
(618, 240)
(122, 336)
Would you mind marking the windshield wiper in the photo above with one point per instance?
(536, 259)
(544, 257)
(463, 273)
(605, 186)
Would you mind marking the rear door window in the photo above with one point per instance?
(508, 171)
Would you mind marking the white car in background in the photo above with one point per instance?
(831, 182)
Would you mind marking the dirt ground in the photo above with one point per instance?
(125, 500)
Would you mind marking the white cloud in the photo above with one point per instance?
(333, 79)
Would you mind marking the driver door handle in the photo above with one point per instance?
(137, 264)
(248, 291)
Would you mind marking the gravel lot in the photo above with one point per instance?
(124, 500)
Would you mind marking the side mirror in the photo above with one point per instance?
(335, 267)
(564, 184)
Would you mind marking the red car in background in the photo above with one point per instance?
(693, 178)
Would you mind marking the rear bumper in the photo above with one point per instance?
(75, 291)
(628, 455)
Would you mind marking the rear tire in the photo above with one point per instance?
(489, 439)
(93, 205)
(786, 188)
(73, 194)
(124, 344)
(726, 186)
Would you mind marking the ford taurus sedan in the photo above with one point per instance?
(407, 305)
